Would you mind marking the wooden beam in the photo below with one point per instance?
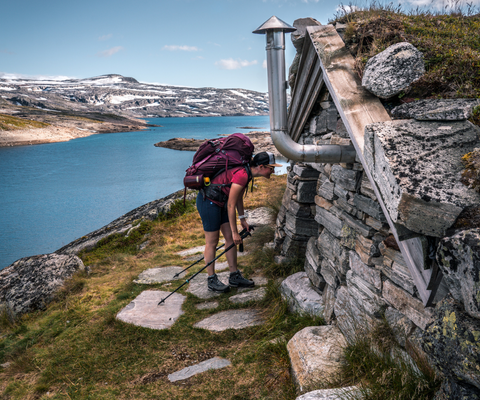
(358, 108)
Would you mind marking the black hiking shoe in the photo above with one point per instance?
(214, 285)
(237, 280)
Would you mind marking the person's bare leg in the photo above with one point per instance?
(232, 253)
(211, 242)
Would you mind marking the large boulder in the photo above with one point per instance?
(315, 354)
(436, 109)
(30, 283)
(302, 298)
(393, 70)
(459, 259)
(452, 342)
(417, 167)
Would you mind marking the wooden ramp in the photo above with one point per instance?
(326, 61)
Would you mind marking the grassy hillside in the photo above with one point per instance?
(9, 123)
(450, 43)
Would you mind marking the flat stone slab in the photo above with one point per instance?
(316, 353)
(252, 295)
(207, 305)
(301, 296)
(437, 109)
(194, 250)
(212, 363)
(345, 393)
(231, 319)
(145, 311)
(189, 252)
(199, 285)
(417, 166)
(159, 275)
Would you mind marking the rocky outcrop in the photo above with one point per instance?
(436, 109)
(393, 70)
(416, 166)
(131, 220)
(261, 140)
(120, 95)
(459, 259)
(30, 283)
(453, 343)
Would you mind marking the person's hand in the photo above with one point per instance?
(244, 224)
(236, 238)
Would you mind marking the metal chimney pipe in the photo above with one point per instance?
(275, 30)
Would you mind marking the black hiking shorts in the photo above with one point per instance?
(213, 216)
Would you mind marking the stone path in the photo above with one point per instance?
(207, 305)
(231, 319)
(252, 295)
(198, 286)
(159, 275)
(212, 363)
(145, 311)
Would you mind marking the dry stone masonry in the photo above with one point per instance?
(331, 218)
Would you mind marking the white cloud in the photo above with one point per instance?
(234, 64)
(109, 52)
(105, 37)
(264, 64)
(7, 75)
(180, 48)
(347, 9)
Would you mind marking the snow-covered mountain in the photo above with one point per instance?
(121, 95)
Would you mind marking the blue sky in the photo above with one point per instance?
(199, 43)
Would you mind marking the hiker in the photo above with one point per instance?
(219, 214)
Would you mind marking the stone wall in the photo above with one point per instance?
(330, 217)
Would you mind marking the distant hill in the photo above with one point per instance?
(122, 95)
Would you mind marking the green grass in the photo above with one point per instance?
(376, 362)
(448, 39)
(9, 123)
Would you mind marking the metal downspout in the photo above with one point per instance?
(275, 30)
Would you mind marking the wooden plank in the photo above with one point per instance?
(358, 108)
(313, 90)
(304, 76)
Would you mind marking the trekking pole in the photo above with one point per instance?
(243, 236)
(200, 259)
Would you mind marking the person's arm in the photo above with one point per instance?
(235, 201)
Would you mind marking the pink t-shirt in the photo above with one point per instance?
(236, 175)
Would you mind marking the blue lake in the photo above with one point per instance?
(52, 194)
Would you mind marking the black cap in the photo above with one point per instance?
(265, 158)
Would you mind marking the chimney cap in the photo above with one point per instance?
(274, 23)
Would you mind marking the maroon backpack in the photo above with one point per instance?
(216, 155)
